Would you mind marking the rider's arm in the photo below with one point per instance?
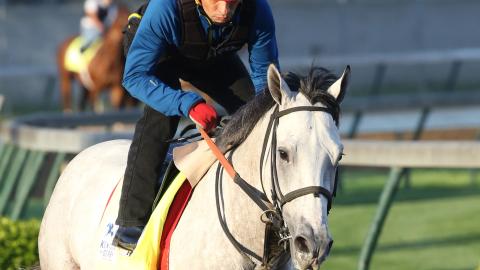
(262, 45)
(159, 28)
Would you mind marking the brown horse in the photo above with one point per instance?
(104, 71)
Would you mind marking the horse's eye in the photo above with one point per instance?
(283, 155)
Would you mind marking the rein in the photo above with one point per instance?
(218, 154)
(275, 224)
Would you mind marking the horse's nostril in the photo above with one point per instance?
(329, 247)
(301, 244)
(324, 254)
(330, 244)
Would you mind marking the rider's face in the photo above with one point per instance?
(220, 11)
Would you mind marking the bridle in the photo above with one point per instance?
(272, 210)
(278, 198)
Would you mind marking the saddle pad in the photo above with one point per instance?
(174, 214)
(75, 61)
(152, 248)
(194, 160)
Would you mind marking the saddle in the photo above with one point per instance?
(192, 158)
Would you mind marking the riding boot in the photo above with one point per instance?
(84, 47)
(127, 237)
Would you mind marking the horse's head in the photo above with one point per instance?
(306, 148)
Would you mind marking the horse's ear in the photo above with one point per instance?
(338, 88)
(277, 86)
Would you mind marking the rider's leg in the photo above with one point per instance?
(89, 32)
(140, 182)
(145, 158)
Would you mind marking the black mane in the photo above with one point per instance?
(314, 86)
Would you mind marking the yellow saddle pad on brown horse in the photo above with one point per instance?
(76, 61)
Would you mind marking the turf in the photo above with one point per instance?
(434, 223)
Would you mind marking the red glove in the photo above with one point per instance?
(203, 115)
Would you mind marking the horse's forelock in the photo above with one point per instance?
(314, 86)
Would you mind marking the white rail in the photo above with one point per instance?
(412, 154)
(404, 58)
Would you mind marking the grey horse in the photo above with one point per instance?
(288, 162)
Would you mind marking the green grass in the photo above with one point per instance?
(434, 224)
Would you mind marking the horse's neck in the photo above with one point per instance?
(246, 157)
(242, 216)
(239, 208)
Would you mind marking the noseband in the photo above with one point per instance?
(272, 210)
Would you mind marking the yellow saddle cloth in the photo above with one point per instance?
(147, 253)
(76, 61)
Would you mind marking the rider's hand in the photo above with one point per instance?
(203, 115)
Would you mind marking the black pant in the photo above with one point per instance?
(224, 79)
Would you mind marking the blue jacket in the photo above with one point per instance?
(160, 28)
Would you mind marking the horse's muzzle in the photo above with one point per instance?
(308, 253)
